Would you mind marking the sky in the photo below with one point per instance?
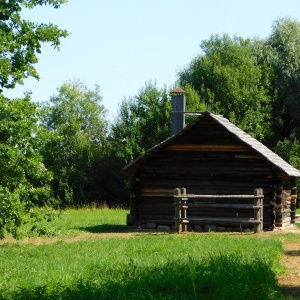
(122, 44)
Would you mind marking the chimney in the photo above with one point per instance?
(178, 110)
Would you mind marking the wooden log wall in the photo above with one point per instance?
(205, 160)
(283, 209)
(284, 203)
(157, 192)
(134, 202)
(293, 204)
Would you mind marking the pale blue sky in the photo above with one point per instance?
(121, 44)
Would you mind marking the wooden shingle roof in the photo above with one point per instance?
(254, 144)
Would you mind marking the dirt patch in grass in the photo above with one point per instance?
(80, 237)
(290, 280)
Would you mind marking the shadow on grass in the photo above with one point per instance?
(222, 277)
(107, 228)
(291, 291)
(292, 252)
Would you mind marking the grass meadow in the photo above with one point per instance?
(78, 259)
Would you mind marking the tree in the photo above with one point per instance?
(231, 83)
(24, 179)
(143, 121)
(255, 83)
(75, 131)
(281, 51)
(21, 40)
(194, 103)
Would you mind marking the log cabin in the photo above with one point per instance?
(209, 156)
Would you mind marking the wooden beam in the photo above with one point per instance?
(220, 205)
(222, 220)
(245, 197)
(186, 147)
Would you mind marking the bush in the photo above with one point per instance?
(12, 212)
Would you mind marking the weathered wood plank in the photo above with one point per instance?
(156, 189)
(223, 220)
(156, 195)
(215, 197)
(209, 147)
(219, 205)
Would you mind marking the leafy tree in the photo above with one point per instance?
(281, 51)
(21, 40)
(143, 121)
(289, 150)
(230, 82)
(194, 103)
(75, 131)
(255, 83)
(24, 179)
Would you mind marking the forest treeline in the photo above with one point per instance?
(66, 152)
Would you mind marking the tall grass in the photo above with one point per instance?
(71, 222)
(192, 266)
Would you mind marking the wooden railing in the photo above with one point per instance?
(182, 203)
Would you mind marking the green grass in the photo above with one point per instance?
(75, 221)
(71, 222)
(145, 266)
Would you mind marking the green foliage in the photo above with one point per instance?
(21, 162)
(282, 53)
(230, 82)
(24, 179)
(289, 150)
(193, 103)
(255, 83)
(11, 213)
(193, 100)
(21, 40)
(142, 122)
(74, 134)
(40, 224)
